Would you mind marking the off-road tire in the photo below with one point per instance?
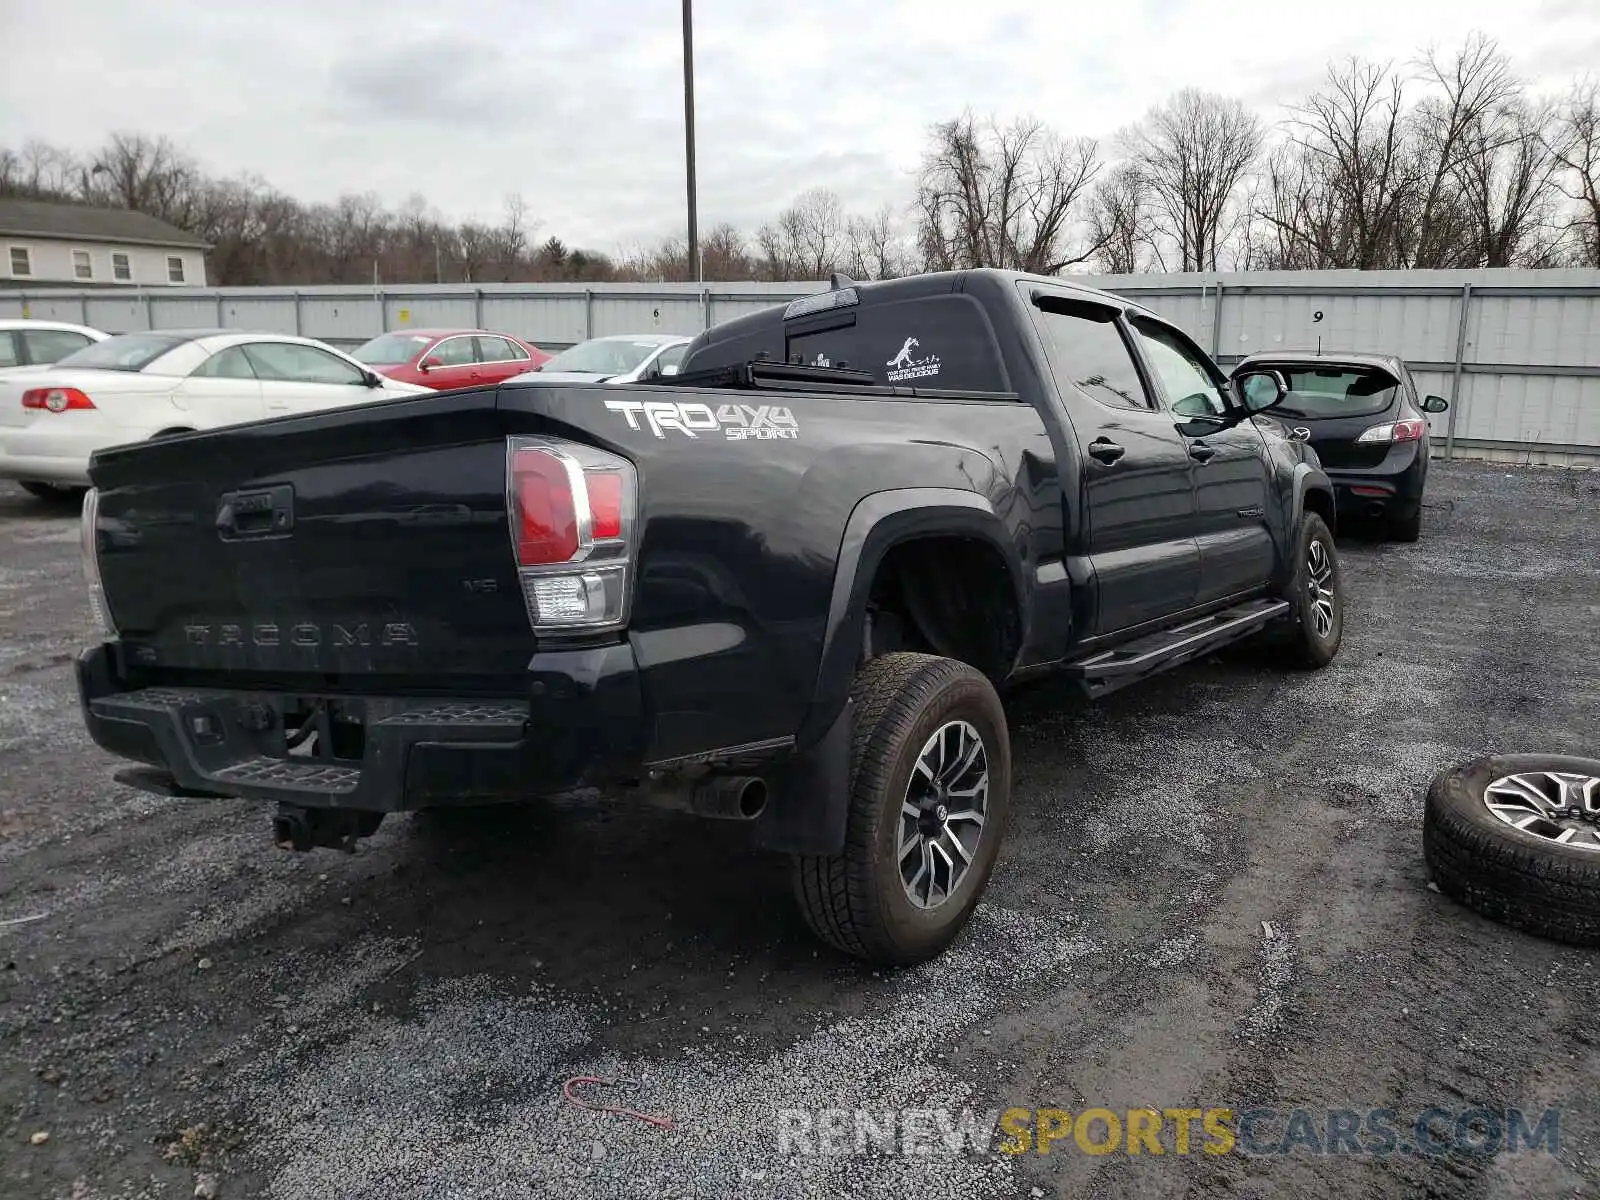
(1519, 879)
(1304, 647)
(855, 900)
(1406, 527)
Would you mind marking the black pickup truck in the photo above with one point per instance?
(782, 586)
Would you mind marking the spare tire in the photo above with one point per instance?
(1517, 838)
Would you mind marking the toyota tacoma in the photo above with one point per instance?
(785, 586)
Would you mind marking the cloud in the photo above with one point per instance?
(579, 107)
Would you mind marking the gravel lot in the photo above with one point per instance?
(398, 1023)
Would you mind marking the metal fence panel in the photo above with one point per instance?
(1527, 343)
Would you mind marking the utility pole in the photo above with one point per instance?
(692, 255)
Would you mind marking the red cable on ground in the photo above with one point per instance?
(566, 1090)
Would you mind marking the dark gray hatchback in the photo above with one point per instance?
(1363, 416)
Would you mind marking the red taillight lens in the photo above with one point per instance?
(1409, 431)
(547, 519)
(605, 503)
(58, 399)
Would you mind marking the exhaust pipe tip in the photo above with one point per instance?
(732, 797)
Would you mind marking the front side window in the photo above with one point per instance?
(1087, 353)
(174, 269)
(1193, 388)
(232, 363)
(290, 362)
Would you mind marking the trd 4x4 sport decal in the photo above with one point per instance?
(737, 422)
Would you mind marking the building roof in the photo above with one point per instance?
(81, 223)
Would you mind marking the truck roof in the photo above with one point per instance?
(933, 283)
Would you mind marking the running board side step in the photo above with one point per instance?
(1109, 670)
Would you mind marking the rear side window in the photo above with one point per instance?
(927, 342)
(1088, 355)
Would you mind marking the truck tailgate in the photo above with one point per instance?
(367, 542)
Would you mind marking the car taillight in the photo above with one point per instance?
(56, 399)
(572, 510)
(89, 547)
(1399, 431)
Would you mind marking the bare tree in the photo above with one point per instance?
(1194, 152)
(1003, 196)
(1119, 221)
(1575, 145)
(1476, 86)
(1507, 178)
(874, 249)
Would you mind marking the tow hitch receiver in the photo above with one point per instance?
(303, 829)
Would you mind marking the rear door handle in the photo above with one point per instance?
(1201, 452)
(1105, 450)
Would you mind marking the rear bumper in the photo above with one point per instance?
(577, 726)
(1394, 485)
(47, 458)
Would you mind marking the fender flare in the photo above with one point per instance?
(812, 800)
(879, 522)
(1308, 479)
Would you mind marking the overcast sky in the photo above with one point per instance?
(578, 105)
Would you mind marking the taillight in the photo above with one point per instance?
(89, 547)
(56, 399)
(571, 510)
(1399, 431)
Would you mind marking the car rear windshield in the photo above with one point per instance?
(1326, 393)
(603, 356)
(391, 349)
(125, 352)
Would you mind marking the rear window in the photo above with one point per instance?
(927, 342)
(125, 352)
(1322, 393)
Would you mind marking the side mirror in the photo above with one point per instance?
(429, 364)
(372, 379)
(1258, 389)
(1434, 404)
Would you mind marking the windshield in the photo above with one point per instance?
(603, 356)
(125, 352)
(391, 349)
(1322, 393)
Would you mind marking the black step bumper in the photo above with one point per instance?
(578, 726)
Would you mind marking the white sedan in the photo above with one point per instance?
(141, 385)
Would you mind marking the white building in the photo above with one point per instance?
(73, 245)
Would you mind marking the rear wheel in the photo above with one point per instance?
(929, 792)
(1407, 527)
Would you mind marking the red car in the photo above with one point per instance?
(449, 358)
